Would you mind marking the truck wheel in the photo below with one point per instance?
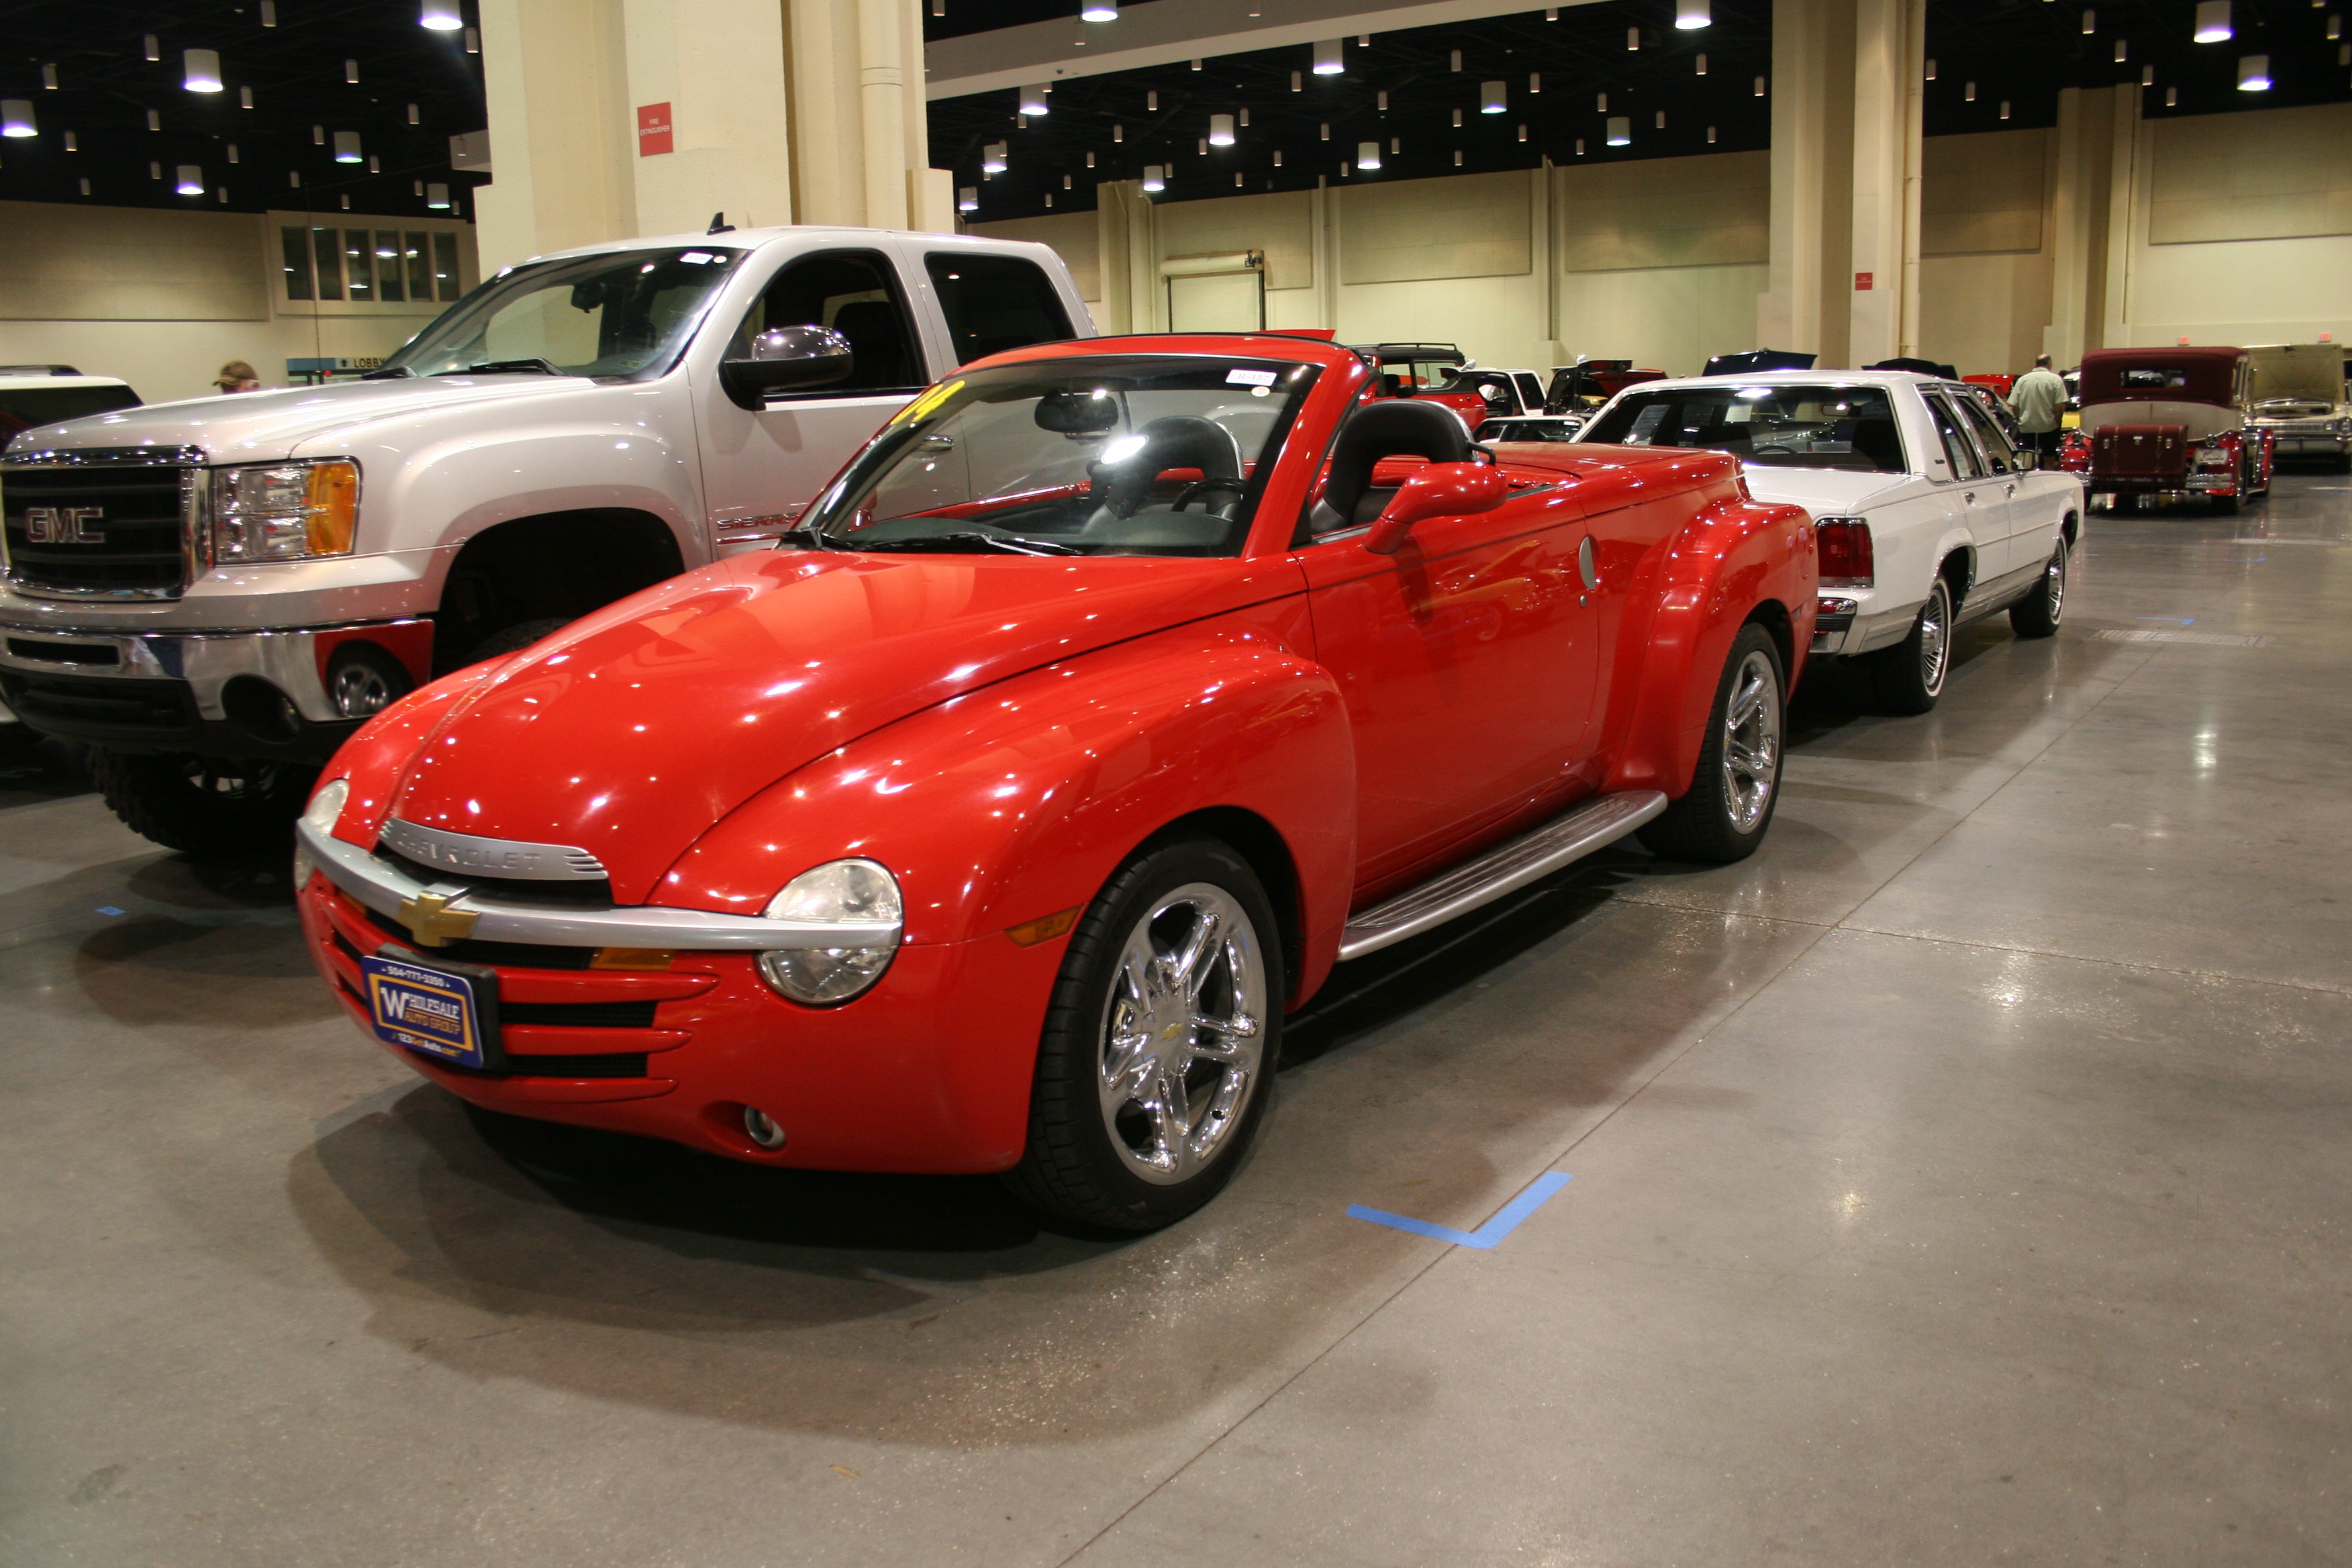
(203, 806)
(2037, 614)
(1723, 816)
(1909, 677)
(515, 639)
(1159, 1045)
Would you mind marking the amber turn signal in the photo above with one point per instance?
(632, 958)
(334, 507)
(1029, 933)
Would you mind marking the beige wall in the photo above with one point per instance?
(1986, 234)
(162, 298)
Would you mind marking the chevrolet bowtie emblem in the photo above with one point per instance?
(431, 921)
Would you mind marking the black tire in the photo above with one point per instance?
(515, 639)
(1719, 819)
(205, 807)
(1086, 1160)
(1909, 677)
(2225, 506)
(19, 743)
(2037, 615)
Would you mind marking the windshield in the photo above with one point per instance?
(1779, 426)
(613, 315)
(1160, 455)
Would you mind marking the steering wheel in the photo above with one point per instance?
(1184, 497)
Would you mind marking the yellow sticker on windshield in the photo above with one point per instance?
(929, 402)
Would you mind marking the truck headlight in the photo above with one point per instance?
(854, 919)
(284, 512)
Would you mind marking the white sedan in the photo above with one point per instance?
(1926, 513)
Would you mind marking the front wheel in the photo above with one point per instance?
(1159, 1045)
(1909, 677)
(2037, 614)
(205, 806)
(1723, 816)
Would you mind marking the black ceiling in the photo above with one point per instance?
(106, 87)
(2018, 53)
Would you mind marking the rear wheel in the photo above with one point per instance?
(1723, 816)
(2037, 614)
(1909, 677)
(205, 807)
(1159, 1045)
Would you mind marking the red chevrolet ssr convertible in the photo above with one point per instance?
(1111, 694)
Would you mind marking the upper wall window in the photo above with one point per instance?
(995, 302)
(394, 266)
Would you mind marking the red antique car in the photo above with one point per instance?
(2176, 421)
(1109, 697)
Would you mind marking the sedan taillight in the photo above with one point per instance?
(1841, 546)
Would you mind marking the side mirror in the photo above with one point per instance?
(1441, 490)
(786, 359)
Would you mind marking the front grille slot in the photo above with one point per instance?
(138, 546)
(96, 706)
(70, 653)
(579, 1014)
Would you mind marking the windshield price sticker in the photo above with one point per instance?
(424, 1011)
(1249, 378)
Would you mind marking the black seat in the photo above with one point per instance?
(1383, 428)
(1170, 441)
(877, 342)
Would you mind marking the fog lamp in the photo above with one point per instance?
(284, 512)
(854, 919)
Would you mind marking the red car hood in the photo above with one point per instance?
(634, 731)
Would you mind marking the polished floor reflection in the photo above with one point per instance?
(1961, 1180)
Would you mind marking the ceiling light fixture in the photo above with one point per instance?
(2121, 50)
(270, 13)
(1327, 56)
(1620, 130)
(1692, 14)
(1155, 177)
(200, 71)
(347, 147)
(1702, 64)
(1534, 82)
(154, 50)
(441, 15)
(1759, 87)
(192, 180)
(154, 121)
(2254, 73)
(244, 98)
(1033, 100)
(473, 40)
(1633, 39)
(2090, 21)
(967, 198)
(351, 70)
(1100, 11)
(2212, 22)
(437, 197)
(49, 78)
(1368, 155)
(992, 158)
(16, 118)
(1297, 81)
(413, 118)
(1493, 98)
(1457, 60)
(1931, 67)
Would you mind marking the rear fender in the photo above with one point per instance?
(1018, 802)
(1730, 561)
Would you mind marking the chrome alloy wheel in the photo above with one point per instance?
(1751, 742)
(1182, 1034)
(2054, 584)
(1935, 638)
(360, 690)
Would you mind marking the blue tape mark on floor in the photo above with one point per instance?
(1506, 1219)
(108, 910)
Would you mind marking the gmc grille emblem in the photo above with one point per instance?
(63, 525)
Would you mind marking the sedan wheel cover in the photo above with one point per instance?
(1751, 742)
(1935, 640)
(1182, 1034)
(2056, 585)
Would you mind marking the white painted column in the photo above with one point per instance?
(882, 112)
(1883, 256)
(556, 80)
(1789, 311)
(719, 66)
(2081, 206)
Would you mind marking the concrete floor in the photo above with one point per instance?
(1962, 1180)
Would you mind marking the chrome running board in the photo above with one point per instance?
(1507, 867)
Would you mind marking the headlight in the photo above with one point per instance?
(319, 816)
(855, 915)
(284, 512)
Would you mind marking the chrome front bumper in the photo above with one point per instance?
(207, 661)
(388, 891)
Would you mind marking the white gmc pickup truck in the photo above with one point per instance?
(213, 593)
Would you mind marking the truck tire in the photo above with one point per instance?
(1736, 785)
(1153, 1079)
(1909, 677)
(515, 639)
(2037, 614)
(205, 807)
(2225, 506)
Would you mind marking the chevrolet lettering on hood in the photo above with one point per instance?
(500, 858)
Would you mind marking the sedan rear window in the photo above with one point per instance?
(1773, 427)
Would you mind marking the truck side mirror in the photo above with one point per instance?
(786, 359)
(1441, 490)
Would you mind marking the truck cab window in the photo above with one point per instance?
(995, 302)
(855, 293)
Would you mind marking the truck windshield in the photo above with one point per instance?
(616, 315)
(1091, 455)
(1778, 426)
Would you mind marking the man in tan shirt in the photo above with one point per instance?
(2038, 400)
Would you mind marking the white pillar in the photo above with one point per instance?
(1789, 311)
(2082, 205)
(882, 112)
(556, 82)
(1884, 246)
(719, 66)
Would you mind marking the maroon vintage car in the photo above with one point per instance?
(2177, 421)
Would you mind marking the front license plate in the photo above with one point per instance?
(429, 1011)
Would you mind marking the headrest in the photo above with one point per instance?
(1390, 428)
